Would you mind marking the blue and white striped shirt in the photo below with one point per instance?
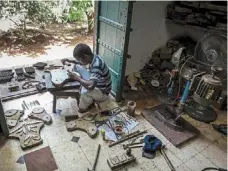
(99, 72)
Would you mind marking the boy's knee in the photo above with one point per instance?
(85, 102)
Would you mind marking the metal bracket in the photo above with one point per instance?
(112, 23)
(116, 51)
(128, 56)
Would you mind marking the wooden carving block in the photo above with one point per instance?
(28, 132)
(12, 117)
(40, 114)
(82, 125)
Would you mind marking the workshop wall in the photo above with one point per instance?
(150, 31)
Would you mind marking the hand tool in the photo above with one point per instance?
(167, 159)
(25, 105)
(135, 146)
(127, 138)
(96, 159)
(125, 146)
(37, 102)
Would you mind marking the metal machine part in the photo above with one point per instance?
(163, 118)
(178, 57)
(201, 113)
(208, 90)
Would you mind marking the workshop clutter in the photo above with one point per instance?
(156, 71)
(204, 14)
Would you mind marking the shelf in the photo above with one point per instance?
(209, 29)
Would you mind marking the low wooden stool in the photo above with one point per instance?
(64, 93)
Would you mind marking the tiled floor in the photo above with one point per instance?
(207, 150)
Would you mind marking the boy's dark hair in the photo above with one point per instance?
(82, 49)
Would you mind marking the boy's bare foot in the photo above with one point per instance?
(86, 110)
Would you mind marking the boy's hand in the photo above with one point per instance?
(74, 76)
(64, 60)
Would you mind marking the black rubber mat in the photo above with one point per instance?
(175, 137)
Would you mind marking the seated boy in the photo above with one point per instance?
(96, 83)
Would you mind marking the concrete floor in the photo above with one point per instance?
(207, 150)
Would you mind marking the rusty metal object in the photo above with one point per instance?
(12, 117)
(40, 114)
(82, 125)
(127, 138)
(28, 132)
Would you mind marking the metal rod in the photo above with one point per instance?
(135, 146)
(167, 160)
(127, 138)
(97, 155)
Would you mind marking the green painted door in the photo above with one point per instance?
(112, 29)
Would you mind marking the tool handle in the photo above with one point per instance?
(97, 155)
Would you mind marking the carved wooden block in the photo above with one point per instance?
(12, 117)
(40, 114)
(82, 125)
(28, 132)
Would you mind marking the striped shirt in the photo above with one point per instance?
(99, 72)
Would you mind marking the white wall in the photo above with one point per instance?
(150, 32)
